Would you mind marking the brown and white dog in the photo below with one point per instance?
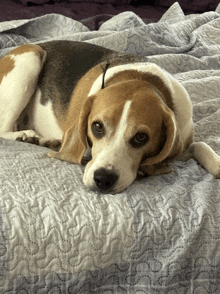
(134, 116)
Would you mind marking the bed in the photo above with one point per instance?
(160, 235)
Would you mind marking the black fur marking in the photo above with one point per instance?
(66, 63)
(104, 72)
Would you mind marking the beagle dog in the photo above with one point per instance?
(73, 97)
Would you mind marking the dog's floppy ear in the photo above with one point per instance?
(173, 144)
(74, 142)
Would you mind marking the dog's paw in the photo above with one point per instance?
(28, 137)
(218, 174)
(53, 144)
(215, 169)
(207, 157)
(33, 138)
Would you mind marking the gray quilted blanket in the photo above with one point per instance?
(161, 235)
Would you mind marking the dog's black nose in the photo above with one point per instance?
(105, 179)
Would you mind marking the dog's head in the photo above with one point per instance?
(128, 126)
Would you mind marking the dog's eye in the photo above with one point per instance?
(98, 129)
(139, 140)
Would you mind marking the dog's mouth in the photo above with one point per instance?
(86, 157)
(110, 178)
(85, 160)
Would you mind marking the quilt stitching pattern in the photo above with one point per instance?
(161, 235)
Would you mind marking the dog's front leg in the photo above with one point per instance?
(205, 155)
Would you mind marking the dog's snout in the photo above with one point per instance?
(105, 179)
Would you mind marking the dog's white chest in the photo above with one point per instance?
(43, 119)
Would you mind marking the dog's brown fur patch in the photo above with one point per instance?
(7, 64)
